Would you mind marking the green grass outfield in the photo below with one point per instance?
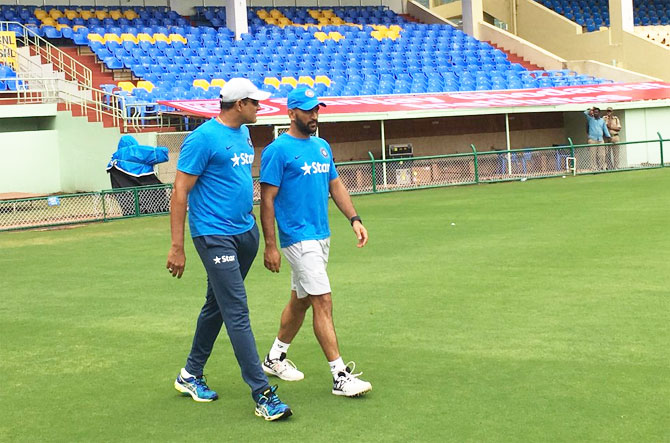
(543, 314)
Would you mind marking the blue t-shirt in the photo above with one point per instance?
(597, 127)
(302, 170)
(221, 201)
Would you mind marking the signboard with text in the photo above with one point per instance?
(8, 49)
(586, 95)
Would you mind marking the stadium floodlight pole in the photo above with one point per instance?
(660, 142)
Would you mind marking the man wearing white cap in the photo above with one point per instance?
(214, 174)
(297, 174)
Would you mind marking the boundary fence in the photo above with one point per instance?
(359, 177)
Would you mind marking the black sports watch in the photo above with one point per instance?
(355, 218)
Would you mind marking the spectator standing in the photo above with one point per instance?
(596, 133)
(614, 127)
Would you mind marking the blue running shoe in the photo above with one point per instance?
(270, 407)
(196, 387)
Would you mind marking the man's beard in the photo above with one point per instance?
(304, 128)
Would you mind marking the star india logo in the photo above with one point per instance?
(309, 93)
(223, 259)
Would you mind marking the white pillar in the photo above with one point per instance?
(473, 13)
(621, 20)
(236, 17)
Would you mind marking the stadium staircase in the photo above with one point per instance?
(514, 58)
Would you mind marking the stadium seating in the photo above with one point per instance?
(594, 14)
(362, 50)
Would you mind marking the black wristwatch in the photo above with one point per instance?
(355, 218)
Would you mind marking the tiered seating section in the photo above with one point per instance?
(592, 14)
(338, 51)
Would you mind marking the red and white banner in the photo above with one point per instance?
(586, 95)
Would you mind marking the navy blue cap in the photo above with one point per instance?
(303, 98)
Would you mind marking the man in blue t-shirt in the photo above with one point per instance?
(596, 129)
(214, 172)
(297, 173)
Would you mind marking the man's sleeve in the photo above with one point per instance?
(272, 166)
(194, 154)
(332, 171)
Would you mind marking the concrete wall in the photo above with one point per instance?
(565, 39)
(30, 162)
(520, 47)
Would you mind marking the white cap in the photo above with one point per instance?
(238, 88)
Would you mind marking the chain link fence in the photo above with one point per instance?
(105, 205)
(360, 177)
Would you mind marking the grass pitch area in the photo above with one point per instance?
(533, 311)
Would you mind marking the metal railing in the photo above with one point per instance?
(359, 177)
(61, 61)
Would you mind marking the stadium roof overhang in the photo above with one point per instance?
(394, 107)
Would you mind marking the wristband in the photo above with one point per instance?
(355, 218)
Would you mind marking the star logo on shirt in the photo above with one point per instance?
(307, 168)
(236, 160)
(217, 260)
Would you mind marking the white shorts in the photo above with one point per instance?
(308, 260)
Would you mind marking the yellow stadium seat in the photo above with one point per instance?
(334, 35)
(307, 80)
(327, 13)
(160, 37)
(130, 14)
(101, 14)
(115, 14)
(392, 35)
(145, 37)
(271, 21)
(48, 21)
(314, 13)
(76, 27)
(274, 13)
(323, 21)
(395, 28)
(177, 38)
(85, 14)
(145, 84)
(96, 38)
(377, 35)
(217, 82)
(201, 83)
(55, 14)
(127, 37)
(70, 14)
(321, 36)
(322, 79)
(60, 26)
(283, 21)
(40, 13)
(272, 82)
(109, 37)
(336, 21)
(289, 81)
(126, 86)
(262, 14)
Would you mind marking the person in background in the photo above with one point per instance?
(614, 127)
(596, 133)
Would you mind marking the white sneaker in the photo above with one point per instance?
(282, 367)
(348, 384)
